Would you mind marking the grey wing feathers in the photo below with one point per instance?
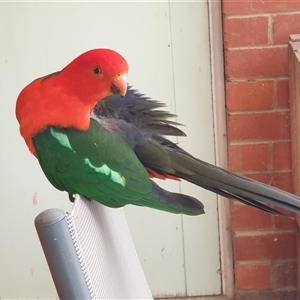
(140, 111)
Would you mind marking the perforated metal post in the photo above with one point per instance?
(63, 262)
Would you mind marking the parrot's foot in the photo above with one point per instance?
(71, 197)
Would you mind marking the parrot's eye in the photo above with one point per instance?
(97, 71)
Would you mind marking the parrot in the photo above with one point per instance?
(96, 136)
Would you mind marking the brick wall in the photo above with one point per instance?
(256, 65)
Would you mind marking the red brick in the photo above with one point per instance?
(232, 7)
(257, 126)
(244, 217)
(244, 63)
(269, 246)
(284, 25)
(266, 295)
(250, 95)
(274, 5)
(252, 31)
(252, 157)
(283, 97)
(281, 180)
(282, 156)
(283, 222)
(252, 277)
(284, 274)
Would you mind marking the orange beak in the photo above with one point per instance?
(119, 84)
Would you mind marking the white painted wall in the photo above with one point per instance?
(167, 47)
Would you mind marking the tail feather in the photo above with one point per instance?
(172, 202)
(247, 201)
(238, 187)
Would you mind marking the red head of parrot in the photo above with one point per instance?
(66, 98)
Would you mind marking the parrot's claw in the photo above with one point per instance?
(71, 197)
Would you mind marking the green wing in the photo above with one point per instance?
(97, 163)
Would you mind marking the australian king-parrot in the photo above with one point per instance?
(95, 136)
